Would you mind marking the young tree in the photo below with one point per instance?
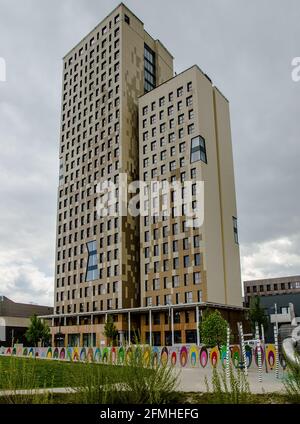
(213, 329)
(257, 314)
(110, 330)
(46, 334)
(37, 331)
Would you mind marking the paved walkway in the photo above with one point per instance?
(193, 380)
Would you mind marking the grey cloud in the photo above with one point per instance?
(245, 47)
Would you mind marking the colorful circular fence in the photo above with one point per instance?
(191, 356)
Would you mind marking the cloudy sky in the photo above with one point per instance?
(245, 47)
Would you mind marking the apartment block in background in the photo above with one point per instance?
(280, 298)
(268, 287)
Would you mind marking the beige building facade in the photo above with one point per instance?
(100, 260)
(185, 137)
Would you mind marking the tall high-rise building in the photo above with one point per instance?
(120, 264)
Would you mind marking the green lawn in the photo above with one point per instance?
(20, 372)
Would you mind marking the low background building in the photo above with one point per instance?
(15, 319)
(280, 297)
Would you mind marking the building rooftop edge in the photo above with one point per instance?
(272, 278)
(182, 72)
(99, 24)
(148, 308)
(2, 298)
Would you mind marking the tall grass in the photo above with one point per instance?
(235, 390)
(18, 376)
(135, 383)
(292, 382)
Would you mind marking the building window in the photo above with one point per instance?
(127, 19)
(175, 281)
(186, 261)
(168, 299)
(197, 277)
(176, 317)
(149, 68)
(188, 297)
(199, 295)
(191, 128)
(156, 284)
(197, 259)
(92, 267)
(189, 101)
(198, 149)
(161, 101)
(235, 230)
(179, 91)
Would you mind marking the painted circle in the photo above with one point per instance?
(155, 356)
(235, 355)
(113, 355)
(83, 354)
(203, 357)
(193, 356)
(69, 354)
(271, 355)
(62, 354)
(105, 355)
(249, 355)
(256, 355)
(121, 355)
(223, 354)
(97, 355)
(214, 356)
(75, 354)
(90, 355)
(173, 358)
(183, 356)
(164, 356)
(146, 356)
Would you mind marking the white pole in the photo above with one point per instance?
(197, 323)
(264, 345)
(243, 349)
(227, 352)
(150, 326)
(276, 352)
(91, 336)
(129, 329)
(258, 354)
(172, 325)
